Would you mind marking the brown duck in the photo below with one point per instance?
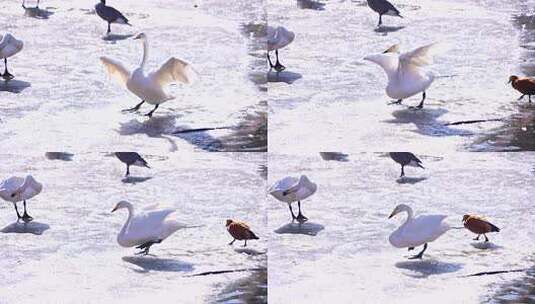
(524, 85)
(240, 231)
(479, 226)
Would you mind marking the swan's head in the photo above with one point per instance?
(400, 208)
(229, 221)
(513, 78)
(141, 36)
(121, 205)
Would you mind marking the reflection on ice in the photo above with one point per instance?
(38, 13)
(426, 120)
(248, 251)
(13, 86)
(149, 263)
(388, 29)
(135, 179)
(410, 180)
(284, 76)
(485, 245)
(65, 156)
(116, 37)
(311, 4)
(307, 228)
(26, 227)
(426, 268)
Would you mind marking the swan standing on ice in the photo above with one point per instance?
(240, 231)
(110, 15)
(406, 73)
(277, 38)
(16, 189)
(146, 228)
(24, 4)
(131, 159)
(406, 159)
(9, 46)
(383, 7)
(417, 231)
(291, 189)
(150, 88)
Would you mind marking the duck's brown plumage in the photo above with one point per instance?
(524, 85)
(240, 230)
(478, 225)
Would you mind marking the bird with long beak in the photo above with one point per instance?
(479, 226)
(524, 85)
(240, 231)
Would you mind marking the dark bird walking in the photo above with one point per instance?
(383, 7)
(479, 226)
(240, 231)
(406, 159)
(524, 85)
(110, 15)
(131, 159)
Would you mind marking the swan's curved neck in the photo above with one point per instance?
(127, 223)
(145, 52)
(410, 215)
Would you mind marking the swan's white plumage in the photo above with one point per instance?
(406, 73)
(150, 87)
(146, 226)
(278, 37)
(291, 189)
(9, 45)
(16, 189)
(419, 230)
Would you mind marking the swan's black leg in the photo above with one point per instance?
(151, 112)
(269, 61)
(278, 66)
(421, 105)
(17, 210)
(486, 238)
(146, 247)
(26, 217)
(292, 212)
(7, 75)
(300, 217)
(134, 109)
(419, 255)
(232, 242)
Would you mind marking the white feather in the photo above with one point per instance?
(291, 189)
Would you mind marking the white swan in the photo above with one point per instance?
(16, 189)
(150, 88)
(406, 73)
(291, 189)
(9, 46)
(417, 231)
(146, 228)
(277, 38)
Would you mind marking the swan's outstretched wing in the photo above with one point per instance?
(116, 70)
(423, 55)
(174, 70)
(393, 49)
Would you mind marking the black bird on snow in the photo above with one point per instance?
(110, 15)
(383, 7)
(406, 159)
(131, 159)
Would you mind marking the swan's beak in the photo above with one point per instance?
(392, 214)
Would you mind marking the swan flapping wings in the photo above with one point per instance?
(174, 70)
(422, 56)
(116, 69)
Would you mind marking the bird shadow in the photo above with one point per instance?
(306, 228)
(387, 29)
(116, 37)
(485, 245)
(311, 4)
(155, 127)
(248, 251)
(201, 138)
(410, 180)
(135, 179)
(335, 156)
(426, 122)
(149, 263)
(26, 227)
(284, 76)
(59, 156)
(426, 268)
(37, 13)
(13, 86)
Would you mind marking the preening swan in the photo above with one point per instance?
(110, 15)
(479, 226)
(277, 38)
(406, 73)
(24, 4)
(383, 7)
(9, 46)
(16, 189)
(417, 231)
(146, 228)
(291, 189)
(150, 88)
(406, 159)
(131, 159)
(240, 231)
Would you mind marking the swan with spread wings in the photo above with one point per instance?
(150, 87)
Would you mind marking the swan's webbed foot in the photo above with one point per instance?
(152, 112)
(26, 217)
(397, 102)
(279, 67)
(146, 247)
(7, 76)
(134, 109)
(419, 255)
(301, 218)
